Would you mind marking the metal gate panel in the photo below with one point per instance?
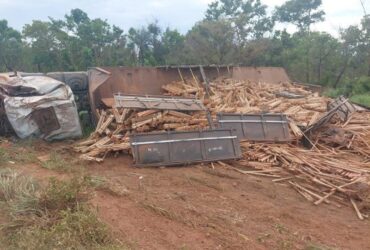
(185, 147)
(257, 127)
(345, 109)
(158, 102)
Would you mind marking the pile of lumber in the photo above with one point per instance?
(231, 96)
(186, 88)
(228, 96)
(320, 175)
(115, 125)
(336, 170)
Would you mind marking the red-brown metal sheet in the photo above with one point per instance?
(260, 74)
(105, 81)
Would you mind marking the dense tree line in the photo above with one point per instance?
(239, 32)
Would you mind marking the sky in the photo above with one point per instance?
(179, 14)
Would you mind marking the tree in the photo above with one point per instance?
(173, 43)
(94, 36)
(153, 46)
(42, 42)
(323, 57)
(10, 47)
(210, 42)
(248, 18)
(365, 28)
(139, 40)
(302, 13)
(351, 39)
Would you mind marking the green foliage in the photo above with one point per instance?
(153, 45)
(210, 42)
(248, 17)
(10, 47)
(239, 32)
(363, 99)
(333, 93)
(358, 90)
(61, 195)
(75, 230)
(362, 86)
(301, 13)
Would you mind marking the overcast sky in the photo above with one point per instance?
(180, 14)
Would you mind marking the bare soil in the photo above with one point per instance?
(198, 207)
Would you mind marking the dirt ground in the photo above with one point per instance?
(198, 207)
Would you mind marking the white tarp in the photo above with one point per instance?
(32, 103)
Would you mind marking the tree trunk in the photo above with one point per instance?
(341, 73)
(319, 71)
(308, 65)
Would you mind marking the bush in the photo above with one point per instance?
(361, 86)
(62, 195)
(56, 217)
(333, 93)
(80, 229)
(362, 99)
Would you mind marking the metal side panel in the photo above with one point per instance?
(257, 127)
(158, 102)
(339, 106)
(181, 148)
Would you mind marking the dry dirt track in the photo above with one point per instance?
(201, 208)
(197, 207)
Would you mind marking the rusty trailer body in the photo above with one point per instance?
(257, 127)
(104, 82)
(157, 102)
(182, 148)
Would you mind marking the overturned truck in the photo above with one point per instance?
(175, 103)
(38, 106)
(104, 82)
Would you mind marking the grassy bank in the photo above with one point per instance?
(53, 217)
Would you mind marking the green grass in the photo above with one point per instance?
(4, 156)
(80, 229)
(60, 163)
(333, 93)
(17, 153)
(56, 162)
(54, 217)
(363, 99)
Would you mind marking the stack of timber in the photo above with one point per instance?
(115, 125)
(232, 96)
(320, 175)
(335, 170)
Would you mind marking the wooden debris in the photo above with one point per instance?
(336, 169)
